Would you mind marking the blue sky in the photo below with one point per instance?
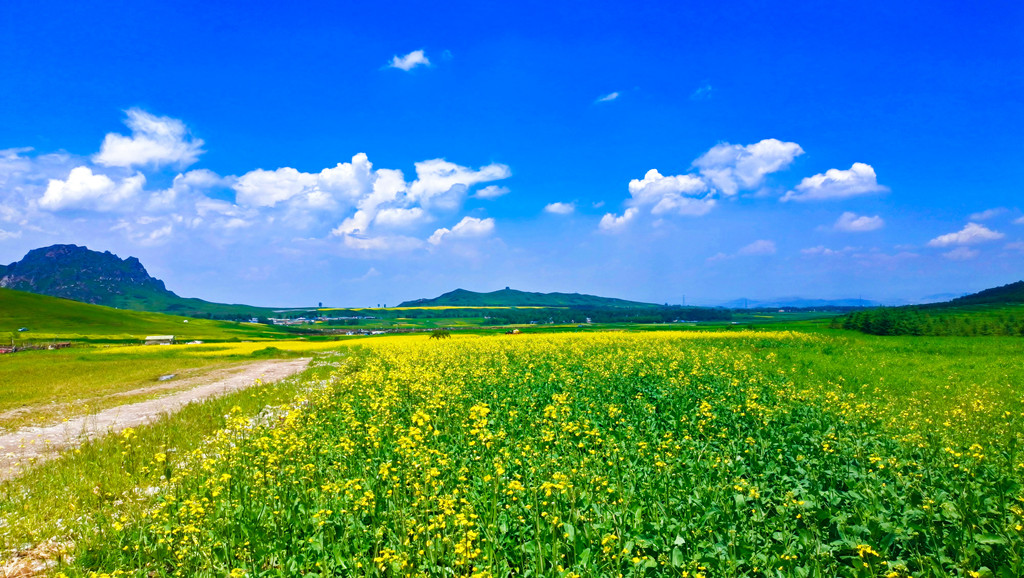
(280, 155)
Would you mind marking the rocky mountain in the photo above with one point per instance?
(74, 272)
(80, 274)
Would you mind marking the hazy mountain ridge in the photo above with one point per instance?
(513, 298)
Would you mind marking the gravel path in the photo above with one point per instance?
(37, 444)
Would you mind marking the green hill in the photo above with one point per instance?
(51, 318)
(1012, 293)
(80, 274)
(996, 311)
(512, 298)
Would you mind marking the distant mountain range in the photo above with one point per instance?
(80, 274)
(512, 298)
(796, 302)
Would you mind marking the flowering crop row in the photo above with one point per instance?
(655, 454)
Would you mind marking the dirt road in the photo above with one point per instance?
(37, 444)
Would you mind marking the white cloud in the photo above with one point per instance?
(4, 235)
(491, 192)
(156, 141)
(961, 254)
(384, 243)
(820, 250)
(671, 194)
(1018, 221)
(409, 61)
(388, 185)
(851, 223)
(612, 223)
(731, 168)
(987, 214)
(443, 184)
(468, 227)
(84, 190)
(397, 218)
(759, 247)
(837, 184)
(608, 97)
(1015, 246)
(261, 188)
(342, 184)
(971, 234)
(560, 208)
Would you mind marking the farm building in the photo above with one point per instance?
(159, 339)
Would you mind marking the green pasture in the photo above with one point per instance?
(53, 319)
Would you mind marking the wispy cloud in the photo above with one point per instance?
(759, 247)
(468, 227)
(608, 97)
(409, 61)
(987, 214)
(703, 92)
(971, 234)
(852, 223)
(961, 254)
(491, 192)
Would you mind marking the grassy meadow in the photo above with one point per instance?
(739, 453)
(53, 319)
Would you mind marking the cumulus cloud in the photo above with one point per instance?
(262, 188)
(851, 223)
(723, 171)
(444, 184)
(961, 254)
(987, 214)
(468, 227)
(608, 97)
(759, 247)
(85, 190)
(680, 194)
(491, 192)
(612, 223)
(331, 189)
(560, 208)
(731, 168)
(155, 141)
(837, 184)
(398, 217)
(409, 61)
(971, 234)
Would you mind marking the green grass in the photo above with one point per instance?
(54, 319)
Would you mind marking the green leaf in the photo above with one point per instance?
(989, 539)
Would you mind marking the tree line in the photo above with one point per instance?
(915, 321)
